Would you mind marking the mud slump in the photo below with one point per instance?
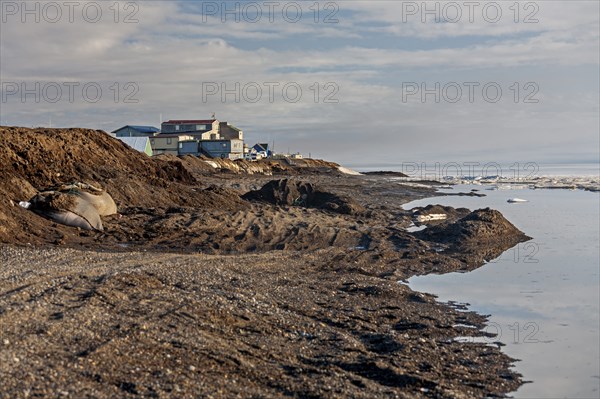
(211, 281)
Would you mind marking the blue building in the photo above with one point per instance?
(262, 149)
(136, 131)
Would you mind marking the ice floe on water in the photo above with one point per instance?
(588, 183)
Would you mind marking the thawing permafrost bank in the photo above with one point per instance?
(348, 171)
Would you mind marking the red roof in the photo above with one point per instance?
(192, 122)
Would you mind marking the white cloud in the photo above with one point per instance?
(171, 52)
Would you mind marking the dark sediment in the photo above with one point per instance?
(299, 193)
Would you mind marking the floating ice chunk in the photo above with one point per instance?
(516, 200)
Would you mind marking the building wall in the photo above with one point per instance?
(230, 149)
(188, 147)
(141, 144)
(148, 149)
(167, 145)
(230, 132)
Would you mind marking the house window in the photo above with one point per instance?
(177, 127)
(224, 145)
(169, 141)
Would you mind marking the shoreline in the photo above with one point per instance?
(374, 322)
(257, 294)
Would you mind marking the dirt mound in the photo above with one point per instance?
(32, 160)
(299, 193)
(268, 167)
(479, 228)
(451, 213)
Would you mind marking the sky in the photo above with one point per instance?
(356, 82)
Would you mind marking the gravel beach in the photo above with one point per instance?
(93, 324)
(251, 280)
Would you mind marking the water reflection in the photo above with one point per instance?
(543, 295)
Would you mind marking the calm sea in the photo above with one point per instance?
(544, 295)
(510, 170)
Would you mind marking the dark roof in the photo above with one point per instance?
(190, 121)
(139, 128)
(261, 146)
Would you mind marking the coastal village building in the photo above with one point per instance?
(230, 132)
(199, 137)
(136, 131)
(227, 149)
(141, 144)
(262, 149)
(208, 137)
(198, 129)
(168, 143)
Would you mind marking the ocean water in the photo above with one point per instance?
(438, 170)
(543, 295)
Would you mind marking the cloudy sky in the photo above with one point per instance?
(357, 82)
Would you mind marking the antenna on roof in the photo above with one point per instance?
(161, 118)
(213, 116)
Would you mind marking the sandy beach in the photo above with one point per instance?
(231, 283)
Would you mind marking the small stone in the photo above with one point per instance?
(6, 341)
(192, 368)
